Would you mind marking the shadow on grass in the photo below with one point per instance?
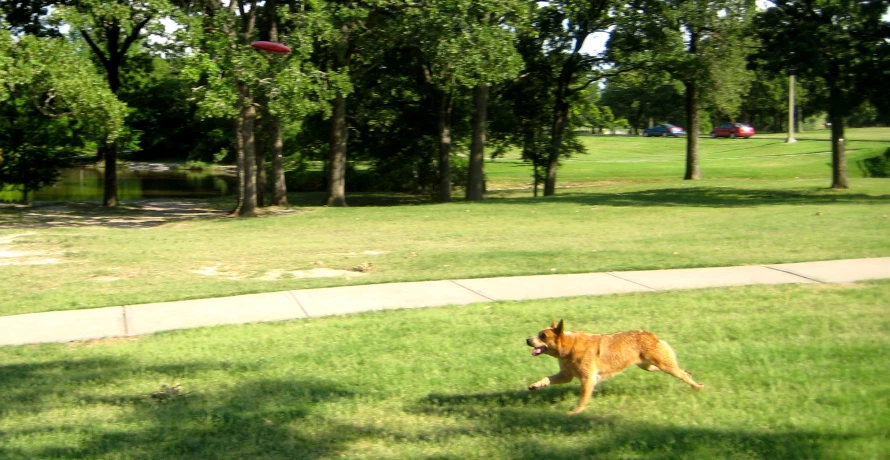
(722, 197)
(84, 415)
(509, 413)
(271, 418)
(876, 166)
(717, 197)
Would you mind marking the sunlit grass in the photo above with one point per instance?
(760, 201)
(612, 159)
(791, 372)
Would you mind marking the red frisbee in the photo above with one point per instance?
(274, 47)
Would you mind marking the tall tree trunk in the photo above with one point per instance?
(279, 188)
(445, 106)
(248, 129)
(112, 59)
(838, 152)
(692, 126)
(476, 179)
(239, 163)
(112, 68)
(557, 131)
(260, 158)
(692, 167)
(110, 192)
(337, 158)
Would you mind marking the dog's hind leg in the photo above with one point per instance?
(665, 359)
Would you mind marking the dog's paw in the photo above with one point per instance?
(539, 384)
(576, 410)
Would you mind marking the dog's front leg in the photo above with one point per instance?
(588, 383)
(555, 379)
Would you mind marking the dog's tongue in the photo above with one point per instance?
(537, 351)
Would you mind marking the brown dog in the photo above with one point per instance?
(594, 358)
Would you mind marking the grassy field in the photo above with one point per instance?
(613, 159)
(791, 372)
(641, 218)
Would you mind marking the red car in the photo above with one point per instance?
(733, 130)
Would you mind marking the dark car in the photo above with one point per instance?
(733, 130)
(663, 130)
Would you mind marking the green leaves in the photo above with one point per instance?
(466, 42)
(839, 41)
(61, 81)
(52, 100)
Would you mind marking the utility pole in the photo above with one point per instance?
(790, 139)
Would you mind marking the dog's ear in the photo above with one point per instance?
(558, 328)
(552, 324)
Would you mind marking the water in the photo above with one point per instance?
(135, 181)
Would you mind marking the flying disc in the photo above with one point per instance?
(274, 47)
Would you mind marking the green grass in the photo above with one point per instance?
(613, 159)
(768, 204)
(791, 372)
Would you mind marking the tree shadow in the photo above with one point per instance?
(131, 214)
(259, 418)
(876, 166)
(714, 197)
(508, 413)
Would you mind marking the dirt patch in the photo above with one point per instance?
(272, 275)
(219, 270)
(100, 342)
(131, 214)
(9, 256)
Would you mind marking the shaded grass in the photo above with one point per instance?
(791, 372)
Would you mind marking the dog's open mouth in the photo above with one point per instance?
(538, 350)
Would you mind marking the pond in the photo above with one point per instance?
(135, 181)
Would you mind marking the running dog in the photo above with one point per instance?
(594, 357)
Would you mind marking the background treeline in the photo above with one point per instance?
(410, 95)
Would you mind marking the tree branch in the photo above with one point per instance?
(134, 35)
(102, 58)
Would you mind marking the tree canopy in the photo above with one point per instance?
(411, 95)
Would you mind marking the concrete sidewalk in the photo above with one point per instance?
(131, 320)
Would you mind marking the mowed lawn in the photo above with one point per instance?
(792, 371)
(795, 371)
(635, 213)
(612, 159)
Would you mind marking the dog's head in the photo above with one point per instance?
(547, 341)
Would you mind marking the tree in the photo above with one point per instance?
(349, 44)
(564, 26)
(234, 81)
(52, 101)
(464, 44)
(643, 96)
(701, 43)
(111, 28)
(29, 17)
(494, 61)
(840, 47)
(290, 89)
